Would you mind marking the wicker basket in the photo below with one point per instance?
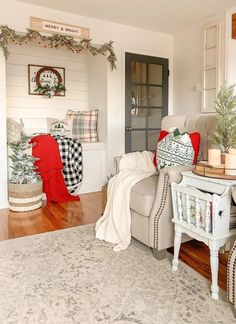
(25, 197)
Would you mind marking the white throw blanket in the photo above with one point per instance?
(115, 225)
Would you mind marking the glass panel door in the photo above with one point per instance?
(146, 100)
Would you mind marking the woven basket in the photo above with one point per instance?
(25, 197)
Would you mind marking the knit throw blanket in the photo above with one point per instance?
(115, 224)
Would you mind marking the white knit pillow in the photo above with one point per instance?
(174, 149)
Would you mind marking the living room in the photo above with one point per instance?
(173, 31)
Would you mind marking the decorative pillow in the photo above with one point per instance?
(71, 114)
(177, 149)
(162, 134)
(85, 126)
(60, 127)
(13, 131)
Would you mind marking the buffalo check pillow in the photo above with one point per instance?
(84, 125)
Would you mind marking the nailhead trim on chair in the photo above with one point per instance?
(160, 210)
(231, 276)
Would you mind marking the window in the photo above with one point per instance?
(211, 68)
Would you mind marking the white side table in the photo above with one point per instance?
(201, 208)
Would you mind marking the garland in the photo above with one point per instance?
(55, 41)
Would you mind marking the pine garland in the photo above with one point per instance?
(22, 163)
(55, 41)
(224, 135)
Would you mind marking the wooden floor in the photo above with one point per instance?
(196, 254)
(55, 216)
(51, 217)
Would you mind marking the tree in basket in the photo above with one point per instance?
(25, 185)
(224, 135)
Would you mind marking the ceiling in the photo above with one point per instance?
(157, 15)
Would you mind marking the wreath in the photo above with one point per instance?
(49, 89)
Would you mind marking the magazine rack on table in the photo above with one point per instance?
(201, 208)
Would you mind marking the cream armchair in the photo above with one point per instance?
(150, 200)
(231, 278)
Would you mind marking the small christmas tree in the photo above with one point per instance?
(23, 169)
(224, 135)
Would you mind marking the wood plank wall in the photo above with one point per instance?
(21, 104)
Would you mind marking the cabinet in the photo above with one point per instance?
(201, 208)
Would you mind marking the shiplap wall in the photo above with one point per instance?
(22, 105)
(34, 110)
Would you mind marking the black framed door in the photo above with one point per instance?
(146, 100)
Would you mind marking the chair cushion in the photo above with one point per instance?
(143, 194)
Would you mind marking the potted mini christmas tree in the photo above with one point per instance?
(224, 136)
(25, 185)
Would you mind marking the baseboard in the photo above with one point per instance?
(4, 204)
(85, 188)
(90, 187)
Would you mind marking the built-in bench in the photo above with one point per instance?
(93, 156)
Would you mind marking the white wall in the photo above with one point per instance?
(22, 105)
(187, 70)
(231, 49)
(97, 90)
(3, 142)
(125, 38)
(188, 65)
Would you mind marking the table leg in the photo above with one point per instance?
(177, 244)
(214, 259)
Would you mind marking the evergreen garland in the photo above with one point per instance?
(224, 135)
(55, 41)
(22, 163)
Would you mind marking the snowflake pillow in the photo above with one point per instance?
(177, 149)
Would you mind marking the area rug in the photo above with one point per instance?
(68, 276)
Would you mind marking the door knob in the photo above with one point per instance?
(129, 129)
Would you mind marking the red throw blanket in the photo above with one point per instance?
(50, 168)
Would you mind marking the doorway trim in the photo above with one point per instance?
(164, 104)
(170, 85)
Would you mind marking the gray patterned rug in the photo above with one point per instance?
(69, 277)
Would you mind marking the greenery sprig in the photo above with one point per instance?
(22, 163)
(224, 135)
(49, 91)
(55, 41)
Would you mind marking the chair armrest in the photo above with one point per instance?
(161, 229)
(175, 172)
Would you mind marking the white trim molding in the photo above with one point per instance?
(211, 65)
(3, 136)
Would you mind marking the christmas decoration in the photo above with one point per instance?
(49, 90)
(55, 41)
(22, 163)
(224, 136)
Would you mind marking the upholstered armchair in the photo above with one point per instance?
(150, 200)
(231, 278)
